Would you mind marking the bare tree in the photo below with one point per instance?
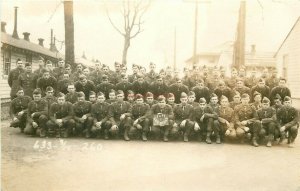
(132, 12)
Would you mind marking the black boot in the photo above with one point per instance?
(208, 141)
(126, 137)
(144, 136)
(218, 139)
(185, 137)
(254, 142)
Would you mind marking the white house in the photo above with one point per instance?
(288, 59)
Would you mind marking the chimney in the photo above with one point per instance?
(26, 36)
(41, 41)
(253, 50)
(52, 43)
(3, 24)
(15, 33)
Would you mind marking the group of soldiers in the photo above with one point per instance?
(204, 104)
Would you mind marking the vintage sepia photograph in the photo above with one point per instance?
(165, 95)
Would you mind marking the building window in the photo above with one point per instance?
(6, 62)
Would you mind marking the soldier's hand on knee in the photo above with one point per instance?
(244, 122)
(135, 122)
(98, 125)
(246, 129)
(282, 129)
(196, 127)
(114, 127)
(227, 132)
(182, 124)
(84, 117)
(32, 115)
(34, 124)
(122, 117)
(20, 113)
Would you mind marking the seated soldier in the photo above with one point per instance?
(111, 97)
(245, 121)
(130, 97)
(182, 115)
(82, 116)
(150, 99)
(267, 117)
(37, 115)
(18, 109)
(120, 116)
(171, 100)
(61, 117)
(92, 97)
(201, 90)
(257, 100)
(287, 116)
(203, 116)
(162, 117)
(177, 88)
(100, 115)
(236, 100)
(105, 87)
(226, 117)
(84, 85)
(139, 115)
(72, 95)
(192, 98)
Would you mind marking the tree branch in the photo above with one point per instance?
(112, 23)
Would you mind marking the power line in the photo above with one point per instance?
(53, 13)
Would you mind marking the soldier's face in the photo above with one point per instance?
(140, 80)
(143, 70)
(265, 73)
(50, 93)
(162, 103)
(130, 97)
(135, 69)
(20, 93)
(214, 100)
(71, 89)
(120, 97)
(239, 84)
(281, 83)
(86, 71)
(257, 98)
(66, 76)
(159, 81)
(112, 96)
(171, 100)
(224, 102)
(79, 68)
(61, 64)
(202, 105)
(139, 101)
(179, 82)
(49, 66)
(37, 97)
(81, 99)
(28, 68)
(117, 67)
(92, 98)
(46, 75)
(152, 67)
(191, 99)
(183, 100)
(97, 66)
(274, 74)
(41, 63)
(125, 79)
(101, 98)
(277, 102)
(234, 74)
(61, 100)
(201, 85)
(265, 105)
(287, 103)
(162, 74)
(124, 70)
(83, 81)
(20, 64)
(237, 99)
(222, 85)
(68, 70)
(149, 99)
(261, 84)
(105, 69)
(253, 73)
(245, 100)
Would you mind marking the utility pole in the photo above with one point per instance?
(195, 35)
(239, 48)
(174, 66)
(69, 33)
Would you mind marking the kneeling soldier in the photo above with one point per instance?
(245, 120)
(100, 115)
(288, 119)
(18, 110)
(162, 116)
(61, 117)
(37, 115)
(140, 111)
(182, 115)
(120, 116)
(267, 117)
(82, 116)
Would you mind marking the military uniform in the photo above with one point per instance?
(105, 87)
(62, 85)
(227, 113)
(140, 88)
(140, 116)
(124, 86)
(27, 82)
(177, 90)
(80, 109)
(264, 91)
(158, 89)
(19, 104)
(72, 97)
(282, 91)
(40, 109)
(272, 82)
(96, 76)
(89, 86)
(201, 92)
(50, 100)
(100, 113)
(234, 104)
(58, 72)
(182, 112)
(64, 112)
(223, 92)
(251, 81)
(242, 90)
(43, 83)
(13, 81)
(151, 76)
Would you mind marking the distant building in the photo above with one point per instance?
(288, 59)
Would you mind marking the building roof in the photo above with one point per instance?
(27, 45)
(260, 58)
(297, 21)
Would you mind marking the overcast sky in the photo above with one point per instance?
(267, 24)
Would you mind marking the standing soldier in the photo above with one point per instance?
(71, 96)
(163, 117)
(96, 74)
(245, 120)
(100, 116)
(260, 88)
(182, 116)
(82, 116)
(281, 89)
(213, 81)
(177, 88)
(272, 81)
(45, 81)
(105, 87)
(77, 73)
(226, 119)
(201, 91)
(288, 119)
(61, 117)
(151, 76)
(265, 74)
(18, 109)
(159, 87)
(60, 70)
(168, 77)
(231, 82)
(140, 116)
(62, 85)
(37, 115)
(84, 85)
(124, 85)
(187, 78)
(134, 76)
(223, 90)
(140, 86)
(120, 116)
(130, 97)
(267, 117)
(251, 80)
(27, 80)
(216, 125)
(13, 78)
(115, 76)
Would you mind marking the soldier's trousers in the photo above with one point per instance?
(145, 123)
(67, 126)
(254, 129)
(123, 126)
(105, 126)
(268, 129)
(187, 129)
(41, 120)
(20, 122)
(206, 127)
(292, 132)
(86, 125)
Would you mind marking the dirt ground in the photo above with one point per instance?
(30, 163)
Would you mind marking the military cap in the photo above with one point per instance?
(117, 63)
(104, 77)
(48, 62)
(177, 79)
(261, 80)
(191, 93)
(183, 95)
(213, 95)
(256, 94)
(233, 69)
(130, 92)
(223, 97)
(161, 71)
(170, 95)
(112, 91)
(100, 94)
(60, 94)
(277, 96)
(82, 77)
(92, 93)
(119, 92)
(221, 83)
(139, 75)
(202, 100)
(49, 88)
(235, 93)
(149, 94)
(265, 100)
(135, 65)
(287, 98)
(200, 81)
(123, 75)
(60, 59)
(27, 64)
(158, 77)
(80, 94)
(139, 96)
(37, 91)
(245, 95)
(161, 98)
